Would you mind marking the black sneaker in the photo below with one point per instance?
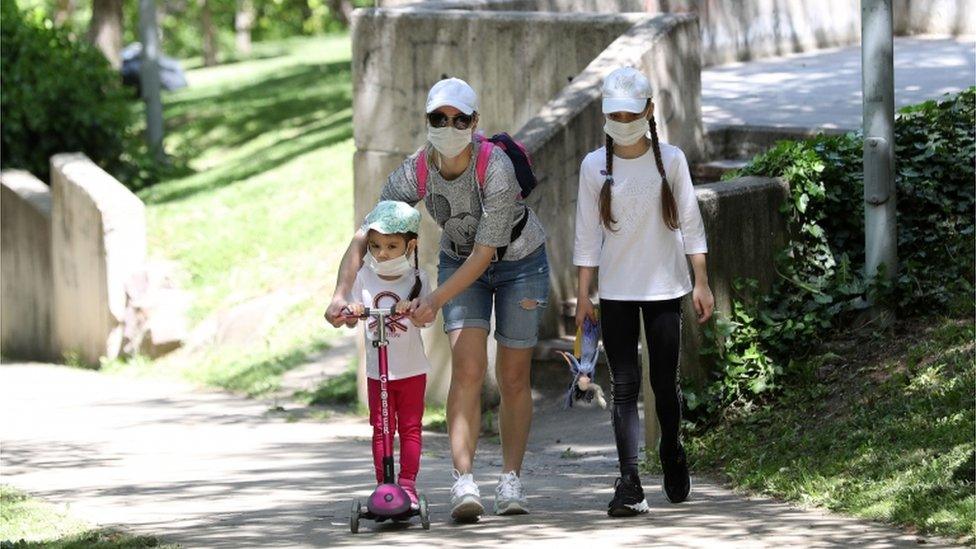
(628, 498)
(677, 481)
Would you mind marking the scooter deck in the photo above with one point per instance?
(382, 518)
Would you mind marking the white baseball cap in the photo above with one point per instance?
(626, 89)
(452, 92)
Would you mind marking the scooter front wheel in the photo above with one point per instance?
(424, 513)
(354, 516)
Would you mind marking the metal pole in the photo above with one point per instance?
(878, 90)
(149, 78)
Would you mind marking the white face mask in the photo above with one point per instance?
(627, 133)
(398, 266)
(449, 141)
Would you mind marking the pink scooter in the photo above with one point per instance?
(388, 501)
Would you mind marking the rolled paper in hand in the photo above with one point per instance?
(578, 343)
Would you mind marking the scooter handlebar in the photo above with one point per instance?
(368, 312)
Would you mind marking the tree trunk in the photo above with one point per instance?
(64, 11)
(105, 29)
(209, 35)
(341, 10)
(243, 22)
(149, 78)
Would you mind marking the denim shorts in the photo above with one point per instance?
(519, 289)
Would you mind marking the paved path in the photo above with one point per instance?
(823, 89)
(207, 469)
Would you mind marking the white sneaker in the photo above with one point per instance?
(509, 496)
(465, 498)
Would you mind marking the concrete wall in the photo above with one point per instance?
(98, 241)
(955, 17)
(516, 61)
(753, 29)
(558, 6)
(25, 260)
(741, 30)
(745, 230)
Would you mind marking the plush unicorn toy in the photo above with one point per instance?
(583, 365)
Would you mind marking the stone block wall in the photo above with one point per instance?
(98, 241)
(25, 261)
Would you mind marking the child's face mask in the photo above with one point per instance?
(397, 266)
(627, 133)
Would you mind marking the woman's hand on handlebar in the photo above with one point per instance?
(341, 313)
(337, 313)
(402, 307)
(355, 310)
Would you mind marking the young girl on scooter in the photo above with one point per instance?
(388, 279)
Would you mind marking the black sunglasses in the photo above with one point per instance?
(438, 119)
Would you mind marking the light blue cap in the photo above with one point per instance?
(392, 217)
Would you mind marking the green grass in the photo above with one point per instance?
(435, 418)
(27, 522)
(271, 196)
(881, 428)
(339, 390)
(251, 371)
(265, 204)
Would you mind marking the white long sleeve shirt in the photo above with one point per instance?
(642, 260)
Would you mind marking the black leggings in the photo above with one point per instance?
(621, 334)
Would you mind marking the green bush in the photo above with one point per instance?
(58, 96)
(821, 282)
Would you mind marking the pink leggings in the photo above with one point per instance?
(406, 412)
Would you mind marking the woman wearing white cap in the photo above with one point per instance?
(637, 220)
(492, 256)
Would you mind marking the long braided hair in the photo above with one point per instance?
(415, 291)
(669, 208)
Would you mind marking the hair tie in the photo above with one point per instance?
(609, 179)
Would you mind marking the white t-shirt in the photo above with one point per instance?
(405, 352)
(643, 260)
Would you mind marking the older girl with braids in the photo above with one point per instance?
(637, 220)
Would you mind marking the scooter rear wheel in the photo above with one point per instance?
(424, 513)
(354, 516)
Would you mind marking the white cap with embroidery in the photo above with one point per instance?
(626, 89)
(452, 92)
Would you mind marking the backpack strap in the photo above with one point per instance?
(422, 171)
(516, 232)
(481, 167)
